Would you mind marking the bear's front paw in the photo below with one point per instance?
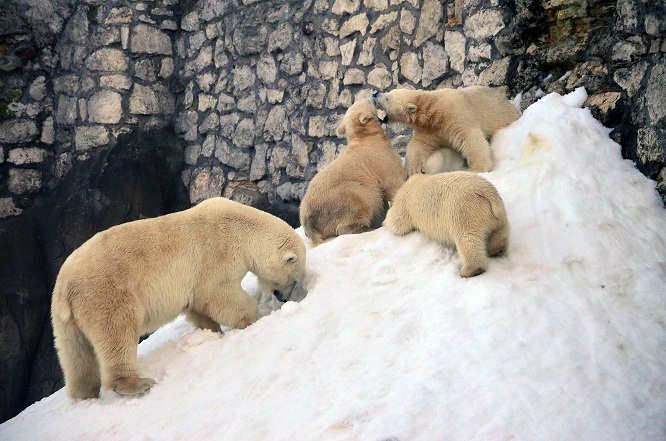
(415, 167)
(133, 385)
(471, 271)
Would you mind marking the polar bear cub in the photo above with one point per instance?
(458, 208)
(135, 277)
(351, 194)
(461, 119)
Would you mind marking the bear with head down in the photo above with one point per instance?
(135, 277)
(459, 119)
(351, 194)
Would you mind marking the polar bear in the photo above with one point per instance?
(461, 119)
(351, 194)
(458, 208)
(135, 277)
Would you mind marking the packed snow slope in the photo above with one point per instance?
(562, 339)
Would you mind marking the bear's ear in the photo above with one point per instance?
(341, 131)
(289, 258)
(364, 118)
(410, 108)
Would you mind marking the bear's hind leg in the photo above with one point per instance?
(78, 361)
(472, 253)
(397, 221)
(115, 341)
(498, 241)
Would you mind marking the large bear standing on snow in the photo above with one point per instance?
(133, 278)
(351, 194)
(461, 119)
(458, 208)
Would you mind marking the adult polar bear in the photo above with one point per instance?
(461, 119)
(132, 278)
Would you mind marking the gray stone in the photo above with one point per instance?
(169, 25)
(206, 102)
(8, 208)
(48, 131)
(258, 167)
(106, 36)
(345, 6)
(430, 19)
(276, 124)
(108, 59)
(292, 64)
(22, 180)
(480, 52)
(76, 30)
(328, 69)
(14, 131)
(454, 44)
(484, 24)
(121, 15)
(146, 101)
(27, 155)
(225, 102)
(652, 25)
(166, 67)
(219, 55)
(358, 23)
(121, 82)
(206, 183)
(267, 69)
(629, 49)
(291, 191)
(410, 67)
(630, 79)
(384, 21)
(83, 109)
(328, 152)
(650, 147)
(280, 38)
(353, 76)
(407, 22)
(190, 22)
(347, 52)
(243, 77)
(244, 135)
(279, 157)
(435, 63)
(209, 123)
(380, 77)
(150, 40)
(655, 94)
(367, 57)
(377, 5)
(186, 124)
(495, 74)
(206, 81)
(331, 26)
(192, 153)
(105, 107)
(315, 96)
(228, 124)
(38, 88)
(274, 96)
(627, 12)
(208, 146)
(233, 157)
(67, 84)
(317, 126)
(86, 137)
(66, 110)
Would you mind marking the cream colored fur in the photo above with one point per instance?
(458, 208)
(351, 194)
(130, 279)
(461, 119)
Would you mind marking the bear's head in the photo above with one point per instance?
(283, 264)
(359, 120)
(402, 105)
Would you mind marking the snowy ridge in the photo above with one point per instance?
(564, 338)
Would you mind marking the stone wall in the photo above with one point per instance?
(256, 88)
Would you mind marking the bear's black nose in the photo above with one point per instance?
(281, 296)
